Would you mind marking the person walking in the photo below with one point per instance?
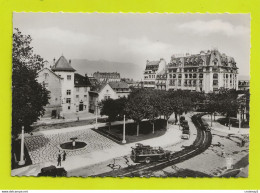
(59, 160)
(64, 156)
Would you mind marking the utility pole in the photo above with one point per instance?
(22, 161)
(124, 141)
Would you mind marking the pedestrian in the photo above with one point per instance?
(64, 156)
(242, 143)
(59, 160)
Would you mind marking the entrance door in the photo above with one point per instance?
(81, 107)
(53, 113)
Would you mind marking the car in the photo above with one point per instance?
(53, 171)
(185, 134)
(147, 154)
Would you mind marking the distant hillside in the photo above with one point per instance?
(126, 70)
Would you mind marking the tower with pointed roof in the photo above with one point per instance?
(65, 71)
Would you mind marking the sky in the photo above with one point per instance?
(136, 38)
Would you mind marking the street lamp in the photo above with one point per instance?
(124, 141)
(22, 161)
(96, 126)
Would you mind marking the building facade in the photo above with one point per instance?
(243, 85)
(68, 90)
(52, 82)
(151, 70)
(207, 72)
(121, 88)
(161, 82)
(99, 93)
(105, 77)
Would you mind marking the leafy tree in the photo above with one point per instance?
(212, 104)
(181, 102)
(28, 96)
(228, 103)
(166, 105)
(113, 108)
(151, 105)
(135, 108)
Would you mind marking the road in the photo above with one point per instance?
(201, 143)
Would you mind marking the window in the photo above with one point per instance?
(77, 96)
(107, 97)
(179, 76)
(215, 76)
(215, 82)
(68, 77)
(46, 75)
(85, 96)
(44, 84)
(68, 100)
(68, 92)
(201, 75)
(194, 75)
(69, 107)
(77, 89)
(174, 76)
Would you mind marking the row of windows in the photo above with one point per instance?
(150, 76)
(77, 90)
(68, 100)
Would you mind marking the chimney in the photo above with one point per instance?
(54, 61)
(69, 61)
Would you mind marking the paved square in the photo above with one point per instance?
(44, 147)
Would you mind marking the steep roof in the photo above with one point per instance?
(50, 72)
(98, 88)
(152, 65)
(117, 85)
(62, 65)
(81, 81)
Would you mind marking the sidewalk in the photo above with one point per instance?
(221, 128)
(82, 116)
(171, 137)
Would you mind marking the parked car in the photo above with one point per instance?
(53, 171)
(147, 154)
(185, 134)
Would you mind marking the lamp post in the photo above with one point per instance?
(22, 161)
(124, 141)
(239, 120)
(96, 127)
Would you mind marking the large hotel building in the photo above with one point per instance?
(207, 71)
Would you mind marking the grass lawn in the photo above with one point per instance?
(145, 131)
(233, 121)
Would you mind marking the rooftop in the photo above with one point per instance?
(118, 85)
(81, 81)
(62, 65)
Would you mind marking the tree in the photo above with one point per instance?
(181, 102)
(227, 103)
(135, 108)
(166, 105)
(28, 96)
(212, 104)
(113, 108)
(152, 103)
